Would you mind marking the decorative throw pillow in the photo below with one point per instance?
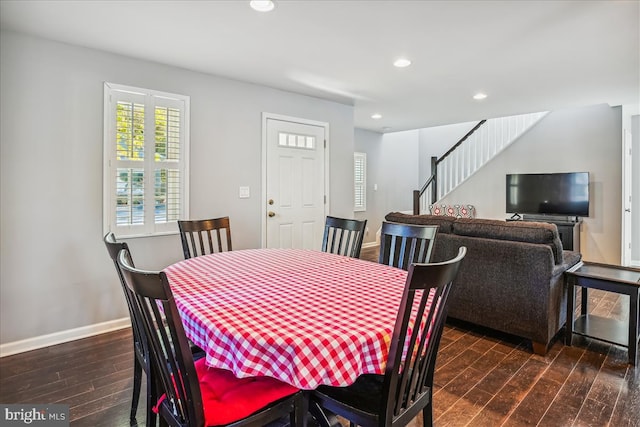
(456, 211)
(442, 210)
(466, 211)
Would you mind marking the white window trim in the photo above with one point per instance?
(362, 157)
(110, 166)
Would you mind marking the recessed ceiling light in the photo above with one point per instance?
(401, 62)
(376, 116)
(262, 5)
(479, 96)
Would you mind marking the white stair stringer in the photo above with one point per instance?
(479, 148)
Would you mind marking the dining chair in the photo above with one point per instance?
(343, 236)
(140, 350)
(191, 393)
(403, 244)
(405, 389)
(205, 236)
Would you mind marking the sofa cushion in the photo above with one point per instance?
(444, 222)
(518, 231)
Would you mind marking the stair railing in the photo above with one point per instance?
(433, 179)
(481, 144)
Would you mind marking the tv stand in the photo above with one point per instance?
(568, 228)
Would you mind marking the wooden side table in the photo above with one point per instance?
(611, 278)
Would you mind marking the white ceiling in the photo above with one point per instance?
(526, 55)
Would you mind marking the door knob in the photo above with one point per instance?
(271, 214)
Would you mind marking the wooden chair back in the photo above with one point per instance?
(408, 378)
(176, 377)
(404, 244)
(405, 389)
(141, 352)
(206, 236)
(343, 236)
(171, 359)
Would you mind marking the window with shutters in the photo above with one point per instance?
(360, 181)
(146, 143)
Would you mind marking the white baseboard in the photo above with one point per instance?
(34, 343)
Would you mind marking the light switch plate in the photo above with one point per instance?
(244, 192)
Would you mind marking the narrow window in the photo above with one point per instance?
(360, 181)
(146, 143)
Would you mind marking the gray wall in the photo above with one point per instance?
(54, 270)
(579, 139)
(573, 140)
(369, 142)
(436, 141)
(392, 164)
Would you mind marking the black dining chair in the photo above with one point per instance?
(343, 236)
(205, 236)
(140, 350)
(405, 389)
(403, 244)
(191, 393)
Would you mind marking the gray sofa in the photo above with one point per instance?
(512, 277)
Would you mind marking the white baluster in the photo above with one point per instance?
(459, 159)
(454, 170)
(484, 144)
(521, 125)
(473, 140)
(467, 158)
(494, 143)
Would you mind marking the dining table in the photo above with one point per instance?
(305, 317)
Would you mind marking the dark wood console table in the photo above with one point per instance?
(569, 230)
(569, 234)
(611, 278)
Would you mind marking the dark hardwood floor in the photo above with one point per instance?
(482, 379)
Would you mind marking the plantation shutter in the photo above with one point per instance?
(360, 181)
(146, 145)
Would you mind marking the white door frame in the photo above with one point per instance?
(628, 158)
(263, 210)
(627, 223)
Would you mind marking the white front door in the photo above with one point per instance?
(294, 202)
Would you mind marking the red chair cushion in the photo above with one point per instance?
(226, 398)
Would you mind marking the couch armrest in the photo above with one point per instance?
(505, 285)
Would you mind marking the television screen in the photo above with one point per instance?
(548, 193)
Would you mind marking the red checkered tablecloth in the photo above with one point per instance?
(305, 317)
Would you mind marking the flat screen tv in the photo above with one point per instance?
(548, 193)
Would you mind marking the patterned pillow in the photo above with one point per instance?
(456, 211)
(466, 211)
